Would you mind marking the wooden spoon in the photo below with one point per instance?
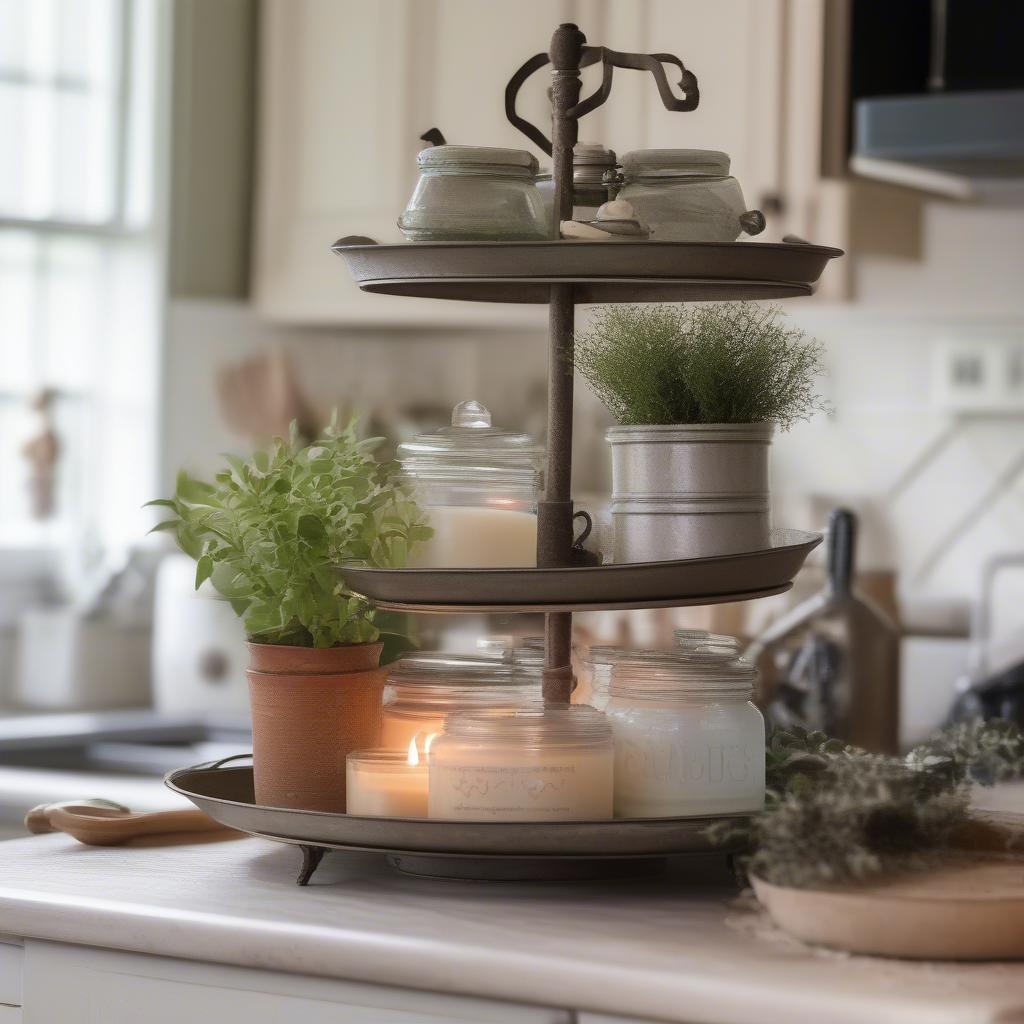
(94, 824)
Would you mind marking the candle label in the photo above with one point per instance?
(710, 765)
(528, 793)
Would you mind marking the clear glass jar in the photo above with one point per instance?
(472, 193)
(531, 764)
(688, 739)
(687, 195)
(478, 485)
(594, 181)
(423, 689)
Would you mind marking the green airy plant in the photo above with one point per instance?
(836, 814)
(733, 362)
(270, 532)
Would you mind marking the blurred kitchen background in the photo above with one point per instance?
(173, 172)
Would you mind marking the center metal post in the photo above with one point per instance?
(554, 536)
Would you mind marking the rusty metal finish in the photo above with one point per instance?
(570, 51)
(714, 580)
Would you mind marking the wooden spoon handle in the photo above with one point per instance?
(95, 830)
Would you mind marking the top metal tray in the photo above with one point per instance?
(637, 271)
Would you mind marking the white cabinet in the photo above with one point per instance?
(82, 985)
(346, 88)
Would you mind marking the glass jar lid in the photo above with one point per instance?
(478, 159)
(471, 447)
(664, 675)
(700, 641)
(535, 725)
(675, 163)
(425, 669)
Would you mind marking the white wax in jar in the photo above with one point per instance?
(508, 783)
(472, 537)
(384, 784)
(674, 760)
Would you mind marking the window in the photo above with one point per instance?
(80, 267)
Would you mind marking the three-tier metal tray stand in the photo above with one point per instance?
(562, 274)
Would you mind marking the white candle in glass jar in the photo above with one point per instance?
(523, 765)
(478, 537)
(688, 741)
(386, 783)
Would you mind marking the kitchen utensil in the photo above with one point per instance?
(832, 663)
(102, 823)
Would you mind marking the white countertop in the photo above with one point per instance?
(670, 948)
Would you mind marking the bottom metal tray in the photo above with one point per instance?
(450, 849)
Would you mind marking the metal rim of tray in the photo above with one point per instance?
(225, 794)
(648, 270)
(718, 579)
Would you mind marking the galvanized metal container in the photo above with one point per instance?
(689, 491)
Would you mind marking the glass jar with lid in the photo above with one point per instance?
(478, 485)
(594, 181)
(687, 195)
(424, 688)
(595, 686)
(688, 739)
(474, 193)
(529, 764)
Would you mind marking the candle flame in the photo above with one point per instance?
(414, 754)
(426, 743)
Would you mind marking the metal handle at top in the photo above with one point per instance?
(610, 59)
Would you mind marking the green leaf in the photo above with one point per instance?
(167, 524)
(204, 569)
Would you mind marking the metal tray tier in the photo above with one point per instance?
(457, 849)
(695, 581)
(638, 271)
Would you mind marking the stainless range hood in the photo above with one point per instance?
(964, 145)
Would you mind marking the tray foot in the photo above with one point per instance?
(311, 857)
(525, 869)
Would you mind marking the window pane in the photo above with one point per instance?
(18, 301)
(59, 108)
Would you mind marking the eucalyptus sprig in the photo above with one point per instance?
(270, 532)
(731, 362)
(834, 813)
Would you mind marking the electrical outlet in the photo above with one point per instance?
(979, 375)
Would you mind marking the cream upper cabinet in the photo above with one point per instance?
(347, 87)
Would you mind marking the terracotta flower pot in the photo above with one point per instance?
(310, 708)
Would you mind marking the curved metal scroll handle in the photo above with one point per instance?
(611, 59)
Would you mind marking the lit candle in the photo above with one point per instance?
(387, 783)
(548, 764)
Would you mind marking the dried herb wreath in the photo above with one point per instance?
(836, 814)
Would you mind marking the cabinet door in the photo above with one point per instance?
(346, 88)
(81, 985)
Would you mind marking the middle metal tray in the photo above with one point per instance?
(718, 580)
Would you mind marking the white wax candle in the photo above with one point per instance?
(386, 784)
(470, 537)
(525, 764)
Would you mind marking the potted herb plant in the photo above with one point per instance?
(268, 534)
(698, 392)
